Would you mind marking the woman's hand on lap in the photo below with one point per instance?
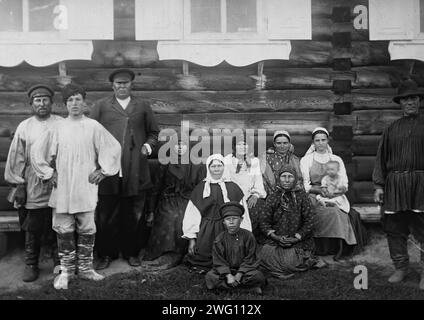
(251, 202)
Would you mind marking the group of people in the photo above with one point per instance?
(83, 177)
(236, 219)
(293, 210)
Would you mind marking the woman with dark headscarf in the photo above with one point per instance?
(168, 202)
(202, 221)
(275, 158)
(336, 232)
(287, 221)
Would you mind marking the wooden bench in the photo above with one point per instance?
(9, 222)
(369, 212)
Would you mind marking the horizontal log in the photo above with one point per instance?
(9, 222)
(4, 150)
(294, 122)
(228, 101)
(307, 53)
(2, 166)
(365, 145)
(4, 204)
(368, 122)
(200, 101)
(369, 212)
(378, 76)
(363, 167)
(323, 29)
(4, 132)
(363, 99)
(201, 78)
(373, 122)
(363, 192)
(365, 53)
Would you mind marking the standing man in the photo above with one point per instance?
(32, 196)
(84, 153)
(122, 197)
(399, 180)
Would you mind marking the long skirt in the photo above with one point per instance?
(255, 217)
(337, 232)
(283, 262)
(208, 231)
(166, 233)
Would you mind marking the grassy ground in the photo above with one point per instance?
(125, 283)
(333, 282)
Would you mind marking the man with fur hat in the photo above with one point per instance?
(122, 197)
(235, 263)
(399, 180)
(30, 195)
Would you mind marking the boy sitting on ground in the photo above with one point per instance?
(235, 263)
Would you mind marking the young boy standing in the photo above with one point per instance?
(75, 156)
(235, 263)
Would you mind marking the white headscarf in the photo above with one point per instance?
(220, 182)
(312, 148)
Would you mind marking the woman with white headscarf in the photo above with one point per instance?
(202, 221)
(334, 229)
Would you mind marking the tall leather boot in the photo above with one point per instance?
(67, 255)
(85, 258)
(32, 252)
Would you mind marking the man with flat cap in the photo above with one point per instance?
(399, 180)
(235, 263)
(122, 197)
(31, 196)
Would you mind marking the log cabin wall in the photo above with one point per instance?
(339, 80)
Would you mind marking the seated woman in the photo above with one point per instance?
(334, 232)
(287, 220)
(202, 221)
(244, 169)
(169, 198)
(281, 154)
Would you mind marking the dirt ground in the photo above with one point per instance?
(12, 265)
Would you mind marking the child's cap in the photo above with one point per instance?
(232, 208)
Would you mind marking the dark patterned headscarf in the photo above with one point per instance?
(292, 170)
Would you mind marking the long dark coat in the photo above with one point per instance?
(132, 127)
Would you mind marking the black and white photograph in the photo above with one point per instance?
(217, 156)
